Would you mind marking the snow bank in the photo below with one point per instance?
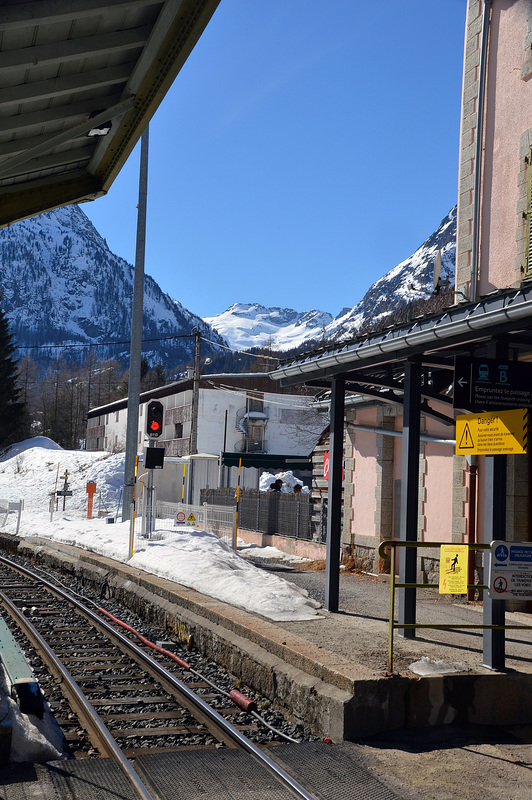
(189, 556)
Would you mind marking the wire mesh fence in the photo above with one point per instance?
(295, 516)
(169, 517)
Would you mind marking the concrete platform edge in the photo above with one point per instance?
(344, 702)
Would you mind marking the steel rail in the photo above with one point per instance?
(240, 740)
(95, 726)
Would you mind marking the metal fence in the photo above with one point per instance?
(7, 506)
(168, 517)
(284, 514)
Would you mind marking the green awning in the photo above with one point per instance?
(266, 461)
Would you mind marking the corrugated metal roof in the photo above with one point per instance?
(71, 68)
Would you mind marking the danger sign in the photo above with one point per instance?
(492, 434)
(453, 568)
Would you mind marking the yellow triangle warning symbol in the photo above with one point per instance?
(466, 440)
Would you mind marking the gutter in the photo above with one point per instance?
(475, 245)
(349, 356)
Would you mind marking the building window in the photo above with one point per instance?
(178, 430)
(255, 402)
(117, 416)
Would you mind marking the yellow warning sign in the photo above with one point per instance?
(453, 568)
(191, 519)
(499, 433)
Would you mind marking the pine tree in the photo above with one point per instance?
(11, 408)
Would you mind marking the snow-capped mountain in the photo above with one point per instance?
(62, 285)
(401, 284)
(246, 325)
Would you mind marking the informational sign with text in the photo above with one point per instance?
(491, 434)
(510, 575)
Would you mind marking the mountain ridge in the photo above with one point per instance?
(64, 287)
(247, 325)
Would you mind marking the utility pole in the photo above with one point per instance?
(195, 395)
(136, 336)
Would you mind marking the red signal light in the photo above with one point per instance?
(154, 421)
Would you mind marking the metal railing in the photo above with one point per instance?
(7, 506)
(392, 545)
(219, 520)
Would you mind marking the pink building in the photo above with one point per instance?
(493, 242)
(414, 487)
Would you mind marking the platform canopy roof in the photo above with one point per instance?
(373, 366)
(79, 81)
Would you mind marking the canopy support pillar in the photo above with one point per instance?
(409, 494)
(334, 515)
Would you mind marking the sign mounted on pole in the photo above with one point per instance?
(453, 568)
(501, 433)
(510, 570)
(481, 384)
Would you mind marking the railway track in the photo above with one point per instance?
(114, 693)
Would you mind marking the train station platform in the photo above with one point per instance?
(330, 673)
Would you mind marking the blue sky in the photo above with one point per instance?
(305, 149)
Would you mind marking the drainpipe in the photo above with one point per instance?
(399, 434)
(472, 471)
(475, 247)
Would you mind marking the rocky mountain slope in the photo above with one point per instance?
(62, 285)
(410, 280)
(246, 325)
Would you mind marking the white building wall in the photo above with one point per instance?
(293, 427)
(115, 431)
(213, 404)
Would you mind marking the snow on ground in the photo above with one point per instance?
(32, 739)
(191, 557)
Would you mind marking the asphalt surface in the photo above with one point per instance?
(360, 630)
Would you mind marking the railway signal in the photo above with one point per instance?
(154, 419)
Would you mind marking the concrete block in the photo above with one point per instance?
(458, 526)
(474, 28)
(469, 120)
(471, 79)
(472, 46)
(470, 93)
(472, 58)
(466, 186)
